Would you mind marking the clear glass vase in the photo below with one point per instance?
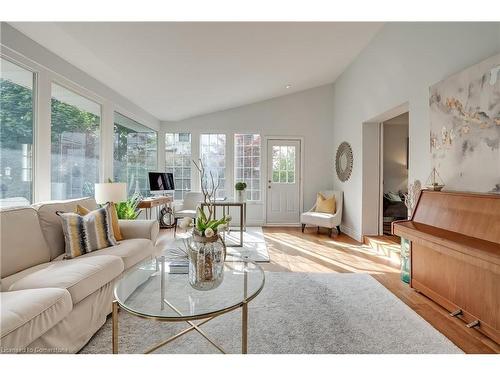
(206, 261)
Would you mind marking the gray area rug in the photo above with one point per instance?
(296, 313)
(254, 244)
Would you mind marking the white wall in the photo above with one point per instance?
(49, 68)
(397, 67)
(306, 114)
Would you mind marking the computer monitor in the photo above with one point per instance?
(161, 181)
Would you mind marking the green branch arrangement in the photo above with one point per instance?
(207, 225)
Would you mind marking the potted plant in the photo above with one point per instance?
(241, 195)
(128, 209)
(207, 250)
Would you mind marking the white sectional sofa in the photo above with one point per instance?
(49, 304)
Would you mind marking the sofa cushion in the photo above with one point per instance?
(80, 277)
(319, 219)
(9, 280)
(130, 251)
(21, 242)
(140, 229)
(28, 314)
(51, 223)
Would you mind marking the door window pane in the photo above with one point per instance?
(134, 154)
(247, 163)
(213, 155)
(75, 132)
(283, 164)
(178, 161)
(16, 135)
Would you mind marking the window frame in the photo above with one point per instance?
(287, 170)
(47, 73)
(150, 130)
(227, 177)
(167, 167)
(35, 121)
(78, 91)
(235, 167)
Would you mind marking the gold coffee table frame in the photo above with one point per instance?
(190, 319)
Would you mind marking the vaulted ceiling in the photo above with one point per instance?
(180, 70)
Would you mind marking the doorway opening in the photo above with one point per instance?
(395, 180)
(394, 169)
(284, 190)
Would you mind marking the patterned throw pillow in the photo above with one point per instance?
(80, 210)
(90, 232)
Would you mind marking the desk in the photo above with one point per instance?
(225, 206)
(149, 203)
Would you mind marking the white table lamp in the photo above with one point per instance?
(110, 192)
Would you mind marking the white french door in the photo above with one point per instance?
(283, 181)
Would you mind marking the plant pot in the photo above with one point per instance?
(241, 196)
(206, 261)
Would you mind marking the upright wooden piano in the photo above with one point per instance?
(455, 255)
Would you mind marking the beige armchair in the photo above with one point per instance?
(325, 220)
(188, 208)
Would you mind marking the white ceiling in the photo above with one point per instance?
(180, 70)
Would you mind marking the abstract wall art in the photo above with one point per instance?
(465, 128)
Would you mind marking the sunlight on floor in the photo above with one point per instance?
(299, 252)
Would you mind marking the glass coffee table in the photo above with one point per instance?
(148, 290)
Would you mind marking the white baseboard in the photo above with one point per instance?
(255, 223)
(351, 233)
(295, 225)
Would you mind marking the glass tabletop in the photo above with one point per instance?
(139, 291)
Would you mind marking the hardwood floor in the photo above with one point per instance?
(293, 251)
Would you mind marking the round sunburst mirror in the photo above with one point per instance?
(343, 161)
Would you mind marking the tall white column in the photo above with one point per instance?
(161, 150)
(42, 141)
(107, 136)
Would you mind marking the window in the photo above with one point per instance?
(134, 154)
(247, 163)
(178, 161)
(16, 135)
(284, 164)
(213, 155)
(75, 133)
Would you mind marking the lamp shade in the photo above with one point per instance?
(110, 192)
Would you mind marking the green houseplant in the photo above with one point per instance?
(128, 210)
(241, 194)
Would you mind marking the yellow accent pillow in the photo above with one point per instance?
(80, 210)
(326, 205)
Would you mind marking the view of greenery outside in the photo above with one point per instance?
(16, 136)
(134, 154)
(75, 134)
(247, 163)
(178, 161)
(284, 164)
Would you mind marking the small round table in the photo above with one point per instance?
(151, 291)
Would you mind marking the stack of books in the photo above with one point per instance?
(177, 266)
